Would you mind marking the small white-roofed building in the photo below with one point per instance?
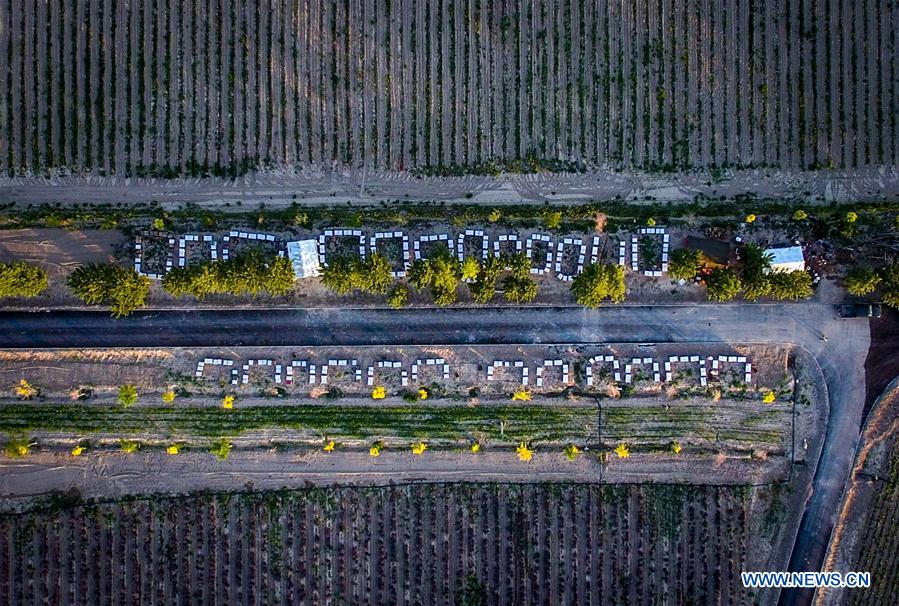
(788, 258)
(303, 255)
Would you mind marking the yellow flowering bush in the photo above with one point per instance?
(524, 453)
(521, 395)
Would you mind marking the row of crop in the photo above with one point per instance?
(435, 544)
(156, 88)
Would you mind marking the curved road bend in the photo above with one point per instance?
(841, 358)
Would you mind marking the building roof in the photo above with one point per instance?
(303, 255)
(788, 258)
(717, 251)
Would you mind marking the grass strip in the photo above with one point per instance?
(499, 423)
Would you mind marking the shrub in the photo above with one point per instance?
(769, 397)
(222, 449)
(123, 289)
(475, 447)
(597, 283)
(861, 281)
(622, 451)
(553, 219)
(723, 285)
(375, 449)
(521, 395)
(127, 395)
(26, 390)
(128, 446)
(21, 280)
(495, 215)
(173, 449)
(78, 451)
(168, 396)
(750, 218)
(851, 217)
(685, 263)
(329, 446)
(17, 448)
(378, 393)
(418, 448)
(800, 215)
(228, 402)
(676, 447)
(571, 452)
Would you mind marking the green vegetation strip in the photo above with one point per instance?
(501, 423)
(657, 422)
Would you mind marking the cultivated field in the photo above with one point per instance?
(160, 87)
(879, 540)
(410, 544)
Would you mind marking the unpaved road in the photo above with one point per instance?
(841, 358)
(313, 186)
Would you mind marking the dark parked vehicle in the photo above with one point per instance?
(860, 310)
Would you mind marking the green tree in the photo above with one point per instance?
(440, 273)
(123, 289)
(398, 296)
(861, 281)
(279, 280)
(374, 274)
(519, 290)
(20, 279)
(337, 275)
(518, 264)
(791, 284)
(754, 267)
(723, 284)
(890, 287)
(685, 263)
(800, 215)
(127, 395)
(484, 286)
(470, 268)
(597, 283)
(251, 272)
